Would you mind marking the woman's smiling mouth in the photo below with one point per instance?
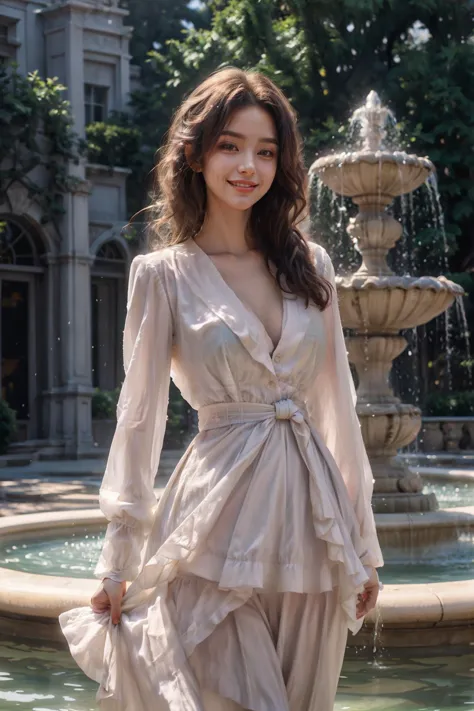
(242, 185)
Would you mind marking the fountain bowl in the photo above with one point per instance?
(372, 177)
(389, 304)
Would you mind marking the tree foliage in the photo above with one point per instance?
(36, 140)
(326, 55)
(155, 23)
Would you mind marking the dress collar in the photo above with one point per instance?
(207, 283)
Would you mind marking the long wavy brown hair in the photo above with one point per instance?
(180, 203)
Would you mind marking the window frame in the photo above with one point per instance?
(8, 40)
(92, 102)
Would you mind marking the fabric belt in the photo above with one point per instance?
(234, 413)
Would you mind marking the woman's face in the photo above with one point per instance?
(240, 168)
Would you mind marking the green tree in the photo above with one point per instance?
(37, 140)
(154, 23)
(326, 55)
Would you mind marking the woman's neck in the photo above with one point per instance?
(224, 233)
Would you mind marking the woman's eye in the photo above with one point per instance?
(227, 146)
(268, 153)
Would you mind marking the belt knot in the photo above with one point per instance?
(287, 410)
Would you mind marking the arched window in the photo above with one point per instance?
(17, 244)
(110, 260)
(110, 250)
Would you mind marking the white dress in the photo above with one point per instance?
(246, 573)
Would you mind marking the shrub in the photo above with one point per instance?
(37, 131)
(113, 143)
(104, 404)
(456, 404)
(7, 425)
(104, 407)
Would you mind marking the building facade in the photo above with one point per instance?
(63, 292)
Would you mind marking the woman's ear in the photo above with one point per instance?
(194, 165)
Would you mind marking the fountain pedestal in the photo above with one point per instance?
(387, 425)
(376, 304)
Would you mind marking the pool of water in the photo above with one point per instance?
(72, 554)
(437, 564)
(451, 494)
(76, 554)
(43, 678)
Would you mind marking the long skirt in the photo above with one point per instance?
(277, 652)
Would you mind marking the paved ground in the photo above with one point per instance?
(61, 485)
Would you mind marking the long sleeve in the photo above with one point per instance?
(331, 406)
(126, 496)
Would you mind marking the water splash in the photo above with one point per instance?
(461, 313)
(378, 625)
(438, 215)
(448, 348)
(411, 217)
(372, 119)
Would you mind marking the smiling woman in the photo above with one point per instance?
(262, 551)
(238, 127)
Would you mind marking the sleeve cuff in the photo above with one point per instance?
(369, 569)
(116, 577)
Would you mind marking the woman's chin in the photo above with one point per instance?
(241, 202)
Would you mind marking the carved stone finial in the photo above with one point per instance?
(372, 118)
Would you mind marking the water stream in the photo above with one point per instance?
(453, 322)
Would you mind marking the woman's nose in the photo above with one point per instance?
(247, 166)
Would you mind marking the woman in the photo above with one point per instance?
(262, 550)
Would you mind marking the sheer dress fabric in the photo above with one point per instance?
(244, 576)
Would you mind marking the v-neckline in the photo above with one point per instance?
(246, 308)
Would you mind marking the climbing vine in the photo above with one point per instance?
(37, 140)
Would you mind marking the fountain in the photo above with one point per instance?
(376, 304)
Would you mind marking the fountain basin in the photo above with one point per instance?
(388, 304)
(372, 177)
(30, 603)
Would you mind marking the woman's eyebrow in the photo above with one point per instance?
(227, 132)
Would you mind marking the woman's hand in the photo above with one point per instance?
(109, 597)
(367, 600)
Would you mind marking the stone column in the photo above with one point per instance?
(69, 399)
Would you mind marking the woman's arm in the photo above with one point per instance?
(332, 408)
(126, 497)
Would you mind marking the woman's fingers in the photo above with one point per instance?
(115, 610)
(109, 597)
(115, 592)
(367, 600)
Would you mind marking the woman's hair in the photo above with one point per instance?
(180, 205)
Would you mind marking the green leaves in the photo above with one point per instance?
(36, 130)
(113, 143)
(456, 404)
(8, 426)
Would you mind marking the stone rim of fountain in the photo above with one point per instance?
(333, 160)
(364, 281)
(443, 610)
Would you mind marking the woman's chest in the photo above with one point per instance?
(229, 341)
(257, 291)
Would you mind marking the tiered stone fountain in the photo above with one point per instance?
(376, 304)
